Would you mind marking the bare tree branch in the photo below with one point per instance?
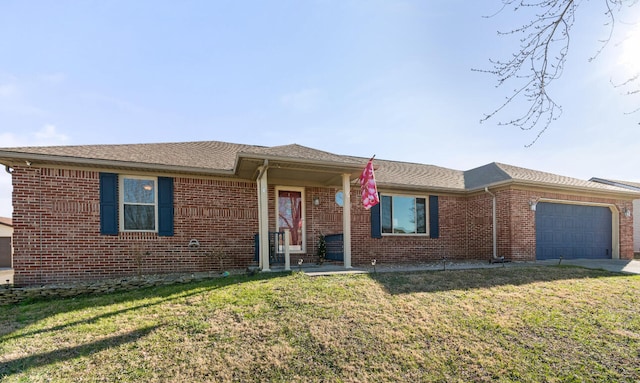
(540, 60)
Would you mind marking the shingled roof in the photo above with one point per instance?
(215, 157)
(496, 173)
(6, 221)
(211, 155)
(299, 152)
(623, 184)
(412, 175)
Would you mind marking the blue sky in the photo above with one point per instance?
(391, 78)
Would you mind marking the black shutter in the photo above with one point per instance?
(108, 204)
(165, 206)
(376, 227)
(434, 225)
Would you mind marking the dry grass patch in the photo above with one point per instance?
(534, 324)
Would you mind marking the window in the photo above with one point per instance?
(138, 203)
(290, 211)
(403, 214)
(129, 203)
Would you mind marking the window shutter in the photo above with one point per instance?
(165, 206)
(376, 226)
(108, 204)
(434, 228)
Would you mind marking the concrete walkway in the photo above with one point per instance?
(618, 266)
(613, 265)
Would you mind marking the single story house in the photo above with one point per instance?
(635, 186)
(6, 248)
(102, 211)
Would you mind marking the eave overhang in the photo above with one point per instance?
(547, 186)
(13, 159)
(296, 170)
(288, 170)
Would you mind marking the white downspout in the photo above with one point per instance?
(495, 228)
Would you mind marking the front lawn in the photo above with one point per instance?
(530, 324)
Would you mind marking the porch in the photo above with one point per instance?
(282, 185)
(280, 257)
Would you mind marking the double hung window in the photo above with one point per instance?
(138, 203)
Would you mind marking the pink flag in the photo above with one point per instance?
(368, 187)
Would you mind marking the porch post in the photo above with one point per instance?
(346, 220)
(263, 219)
(287, 255)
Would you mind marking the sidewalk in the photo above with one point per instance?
(613, 265)
(319, 270)
(616, 265)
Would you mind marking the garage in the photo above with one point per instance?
(573, 231)
(5, 252)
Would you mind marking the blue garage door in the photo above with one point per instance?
(572, 231)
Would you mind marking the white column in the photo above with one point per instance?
(346, 220)
(260, 233)
(287, 255)
(263, 219)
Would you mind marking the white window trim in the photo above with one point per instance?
(121, 179)
(304, 220)
(414, 196)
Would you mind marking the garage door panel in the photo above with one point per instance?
(572, 231)
(5, 251)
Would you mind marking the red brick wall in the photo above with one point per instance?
(396, 249)
(516, 223)
(479, 226)
(57, 228)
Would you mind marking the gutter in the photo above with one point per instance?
(628, 193)
(585, 189)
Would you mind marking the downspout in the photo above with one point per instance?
(263, 168)
(494, 227)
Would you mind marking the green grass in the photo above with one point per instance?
(534, 324)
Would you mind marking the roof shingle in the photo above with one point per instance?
(216, 156)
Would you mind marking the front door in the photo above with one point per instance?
(290, 209)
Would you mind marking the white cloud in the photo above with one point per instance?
(46, 136)
(49, 135)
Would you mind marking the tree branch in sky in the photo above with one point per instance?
(544, 45)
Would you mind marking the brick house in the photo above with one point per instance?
(635, 186)
(101, 211)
